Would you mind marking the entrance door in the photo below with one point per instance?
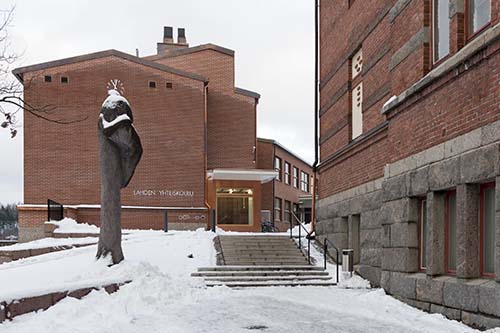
(234, 206)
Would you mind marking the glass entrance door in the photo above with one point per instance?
(234, 206)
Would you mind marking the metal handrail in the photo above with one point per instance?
(325, 252)
(308, 236)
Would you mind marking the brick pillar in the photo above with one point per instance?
(468, 231)
(457, 25)
(353, 236)
(497, 230)
(435, 233)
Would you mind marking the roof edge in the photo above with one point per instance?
(18, 72)
(245, 92)
(274, 142)
(188, 50)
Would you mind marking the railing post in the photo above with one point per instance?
(291, 233)
(309, 250)
(337, 266)
(300, 237)
(48, 209)
(325, 248)
(213, 220)
(165, 221)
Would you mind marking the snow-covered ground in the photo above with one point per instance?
(164, 298)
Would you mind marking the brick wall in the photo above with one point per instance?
(267, 150)
(61, 161)
(395, 39)
(230, 115)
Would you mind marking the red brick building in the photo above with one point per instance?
(410, 148)
(290, 192)
(197, 129)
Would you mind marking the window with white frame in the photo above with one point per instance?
(440, 29)
(277, 166)
(304, 181)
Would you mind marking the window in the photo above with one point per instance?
(296, 209)
(479, 15)
(440, 29)
(304, 181)
(288, 211)
(451, 232)
(169, 85)
(47, 78)
(295, 177)
(152, 84)
(422, 233)
(357, 111)
(277, 209)
(357, 63)
(234, 206)
(64, 79)
(277, 166)
(287, 173)
(487, 227)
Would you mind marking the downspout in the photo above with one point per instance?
(207, 204)
(316, 96)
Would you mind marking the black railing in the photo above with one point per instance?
(55, 210)
(308, 236)
(325, 253)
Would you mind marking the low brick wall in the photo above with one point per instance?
(7, 256)
(9, 310)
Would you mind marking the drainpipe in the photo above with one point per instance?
(207, 204)
(316, 96)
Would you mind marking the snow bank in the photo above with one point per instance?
(146, 253)
(68, 225)
(162, 296)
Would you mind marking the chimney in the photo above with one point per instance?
(181, 36)
(168, 43)
(168, 35)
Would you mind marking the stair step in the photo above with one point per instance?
(267, 278)
(271, 284)
(260, 268)
(258, 273)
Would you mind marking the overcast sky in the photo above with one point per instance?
(273, 40)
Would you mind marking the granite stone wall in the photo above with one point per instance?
(387, 213)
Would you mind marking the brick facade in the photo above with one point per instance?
(267, 150)
(438, 133)
(189, 115)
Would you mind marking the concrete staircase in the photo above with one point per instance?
(262, 261)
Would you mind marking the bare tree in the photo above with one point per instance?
(11, 90)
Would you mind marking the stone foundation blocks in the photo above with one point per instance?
(462, 295)
(480, 164)
(444, 174)
(395, 188)
(402, 285)
(404, 234)
(431, 289)
(371, 256)
(489, 298)
(402, 210)
(372, 274)
(371, 219)
(401, 259)
(449, 313)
